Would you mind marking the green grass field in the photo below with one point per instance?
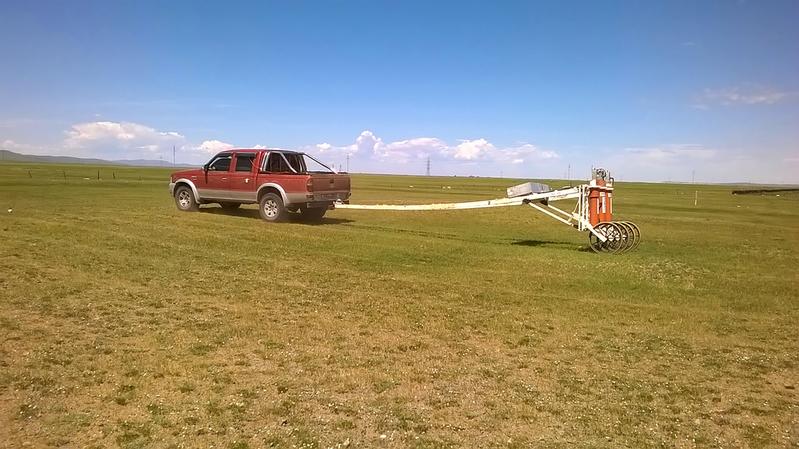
(125, 322)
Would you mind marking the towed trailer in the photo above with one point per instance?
(592, 213)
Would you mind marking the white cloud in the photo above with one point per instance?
(121, 140)
(403, 151)
(526, 153)
(370, 153)
(367, 144)
(86, 133)
(670, 154)
(214, 146)
(10, 145)
(128, 140)
(473, 149)
(687, 162)
(746, 94)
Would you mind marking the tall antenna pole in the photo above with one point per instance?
(428, 166)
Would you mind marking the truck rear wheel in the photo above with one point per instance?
(312, 214)
(184, 199)
(271, 207)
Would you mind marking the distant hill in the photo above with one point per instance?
(11, 156)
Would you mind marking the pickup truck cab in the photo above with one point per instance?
(283, 183)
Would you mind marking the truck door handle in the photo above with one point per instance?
(224, 179)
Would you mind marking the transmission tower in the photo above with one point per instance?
(428, 166)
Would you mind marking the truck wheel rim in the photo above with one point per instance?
(270, 208)
(184, 199)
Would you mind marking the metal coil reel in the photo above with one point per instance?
(621, 236)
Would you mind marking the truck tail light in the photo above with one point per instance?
(309, 185)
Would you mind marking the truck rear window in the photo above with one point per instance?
(276, 164)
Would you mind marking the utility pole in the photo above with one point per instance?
(348, 162)
(693, 176)
(428, 166)
(173, 155)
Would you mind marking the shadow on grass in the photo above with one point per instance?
(548, 244)
(253, 213)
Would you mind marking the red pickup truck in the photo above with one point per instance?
(281, 182)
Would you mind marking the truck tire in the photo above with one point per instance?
(312, 214)
(184, 199)
(230, 206)
(271, 208)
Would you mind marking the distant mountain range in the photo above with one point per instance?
(11, 156)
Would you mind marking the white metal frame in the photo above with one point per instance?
(579, 218)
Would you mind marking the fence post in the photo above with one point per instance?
(65, 175)
(98, 175)
(29, 174)
(114, 174)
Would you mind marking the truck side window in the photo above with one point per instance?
(276, 163)
(296, 162)
(244, 162)
(221, 163)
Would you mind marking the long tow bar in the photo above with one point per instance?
(593, 205)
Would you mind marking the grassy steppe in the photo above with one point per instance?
(127, 323)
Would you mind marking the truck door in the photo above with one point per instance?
(242, 178)
(215, 182)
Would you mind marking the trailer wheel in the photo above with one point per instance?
(594, 243)
(612, 232)
(625, 236)
(636, 234)
(616, 238)
(184, 199)
(271, 208)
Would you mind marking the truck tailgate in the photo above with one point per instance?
(323, 182)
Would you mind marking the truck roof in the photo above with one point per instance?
(248, 150)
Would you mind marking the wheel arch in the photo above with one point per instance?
(273, 188)
(186, 182)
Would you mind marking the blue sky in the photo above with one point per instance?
(653, 91)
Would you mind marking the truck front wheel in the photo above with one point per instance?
(271, 207)
(184, 199)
